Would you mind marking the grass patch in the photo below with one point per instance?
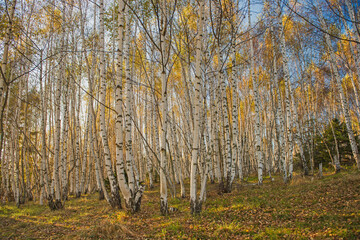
(307, 208)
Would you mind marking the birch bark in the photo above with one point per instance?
(344, 104)
(258, 142)
(115, 200)
(279, 112)
(164, 110)
(287, 99)
(195, 203)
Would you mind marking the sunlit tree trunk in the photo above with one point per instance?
(15, 153)
(290, 104)
(298, 138)
(95, 151)
(114, 200)
(258, 142)
(155, 115)
(195, 203)
(336, 157)
(355, 57)
(57, 204)
(129, 114)
(227, 143)
(289, 121)
(164, 108)
(356, 24)
(344, 104)
(5, 71)
(77, 135)
(86, 156)
(148, 157)
(44, 179)
(120, 170)
(214, 132)
(236, 157)
(178, 158)
(4, 167)
(279, 113)
(64, 155)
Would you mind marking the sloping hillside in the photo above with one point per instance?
(308, 207)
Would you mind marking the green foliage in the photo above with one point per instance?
(325, 144)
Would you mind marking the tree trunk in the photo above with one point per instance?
(344, 104)
(195, 203)
(115, 200)
(258, 142)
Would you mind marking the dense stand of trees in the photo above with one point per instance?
(111, 96)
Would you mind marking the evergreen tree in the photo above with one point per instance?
(333, 142)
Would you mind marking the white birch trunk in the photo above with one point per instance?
(57, 204)
(344, 104)
(65, 128)
(128, 111)
(164, 111)
(291, 118)
(228, 158)
(4, 63)
(195, 203)
(120, 170)
(258, 142)
(236, 158)
(214, 133)
(178, 159)
(279, 113)
(86, 157)
(148, 155)
(44, 180)
(287, 99)
(115, 200)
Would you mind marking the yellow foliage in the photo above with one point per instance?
(287, 22)
(215, 61)
(334, 3)
(346, 82)
(189, 18)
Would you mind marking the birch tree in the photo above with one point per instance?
(344, 104)
(195, 202)
(258, 142)
(114, 200)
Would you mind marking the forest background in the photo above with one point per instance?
(115, 97)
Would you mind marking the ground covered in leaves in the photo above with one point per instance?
(306, 208)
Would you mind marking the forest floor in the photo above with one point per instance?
(306, 208)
